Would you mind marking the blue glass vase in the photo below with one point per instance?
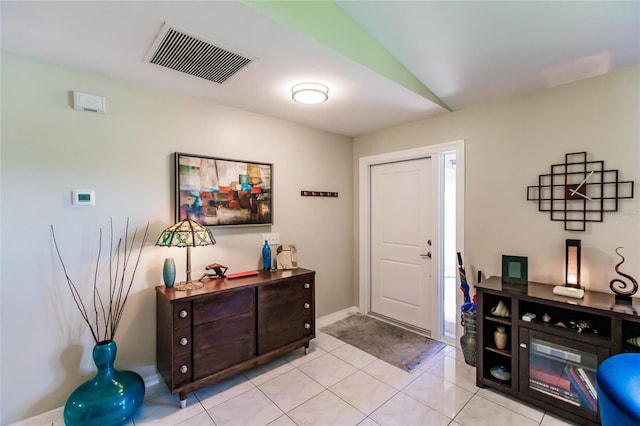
(266, 256)
(169, 272)
(110, 398)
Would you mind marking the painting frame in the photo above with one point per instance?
(222, 192)
(515, 269)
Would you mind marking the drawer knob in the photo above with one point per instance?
(307, 285)
(184, 369)
(307, 306)
(183, 341)
(183, 313)
(307, 325)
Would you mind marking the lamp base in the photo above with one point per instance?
(188, 285)
(561, 290)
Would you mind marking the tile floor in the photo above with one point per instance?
(338, 384)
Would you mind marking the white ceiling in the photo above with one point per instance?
(466, 53)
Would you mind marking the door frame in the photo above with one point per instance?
(435, 152)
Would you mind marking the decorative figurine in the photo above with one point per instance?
(622, 294)
(583, 325)
(501, 310)
(214, 271)
(635, 341)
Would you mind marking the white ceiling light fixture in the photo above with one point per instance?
(310, 93)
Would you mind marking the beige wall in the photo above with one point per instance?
(507, 145)
(49, 149)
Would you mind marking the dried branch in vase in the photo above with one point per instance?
(107, 312)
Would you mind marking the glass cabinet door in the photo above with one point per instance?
(561, 370)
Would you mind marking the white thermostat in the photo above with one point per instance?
(83, 198)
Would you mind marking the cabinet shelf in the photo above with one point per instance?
(626, 347)
(502, 352)
(504, 386)
(569, 333)
(499, 320)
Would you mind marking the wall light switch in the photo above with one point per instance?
(272, 239)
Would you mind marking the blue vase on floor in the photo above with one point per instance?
(110, 398)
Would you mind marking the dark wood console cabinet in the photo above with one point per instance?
(551, 366)
(231, 325)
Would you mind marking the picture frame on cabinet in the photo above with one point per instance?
(222, 192)
(514, 269)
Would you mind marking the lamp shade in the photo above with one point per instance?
(572, 266)
(186, 233)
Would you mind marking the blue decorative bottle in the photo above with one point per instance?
(266, 256)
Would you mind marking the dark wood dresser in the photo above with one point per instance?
(231, 325)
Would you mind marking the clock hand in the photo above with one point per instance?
(575, 191)
(581, 194)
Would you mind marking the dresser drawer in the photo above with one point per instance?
(293, 293)
(223, 305)
(222, 356)
(224, 331)
(286, 311)
(182, 314)
(182, 342)
(182, 370)
(274, 334)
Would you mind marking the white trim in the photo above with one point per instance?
(364, 189)
(49, 417)
(336, 316)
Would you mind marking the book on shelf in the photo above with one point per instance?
(586, 399)
(554, 390)
(549, 371)
(546, 391)
(588, 381)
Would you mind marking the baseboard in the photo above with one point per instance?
(336, 316)
(49, 417)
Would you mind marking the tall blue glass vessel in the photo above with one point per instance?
(110, 398)
(266, 256)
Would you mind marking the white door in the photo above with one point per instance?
(401, 284)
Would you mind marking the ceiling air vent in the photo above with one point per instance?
(186, 53)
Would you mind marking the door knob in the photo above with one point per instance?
(428, 254)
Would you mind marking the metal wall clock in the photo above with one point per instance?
(579, 191)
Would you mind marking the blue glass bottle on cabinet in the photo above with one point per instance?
(266, 256)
